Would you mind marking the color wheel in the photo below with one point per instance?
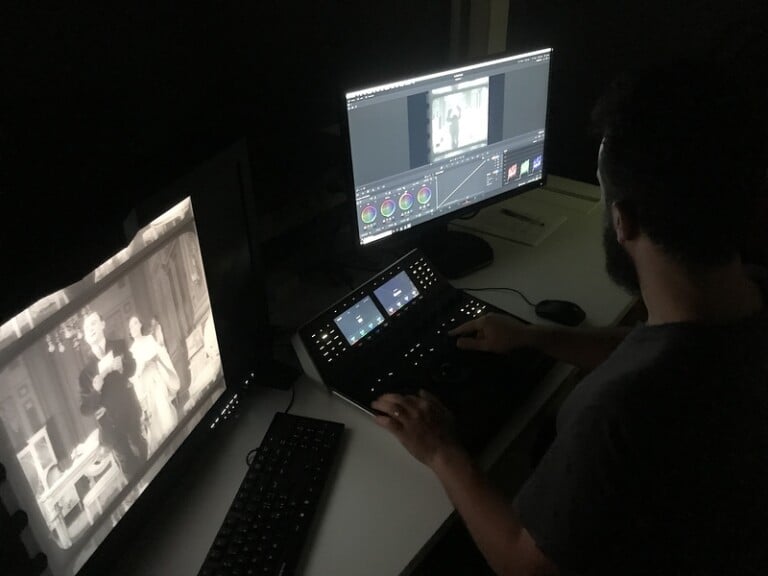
(368, 214)
(423, 195)
(387, 208)
(406, 201)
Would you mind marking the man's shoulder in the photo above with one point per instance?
(628, 381)
(659, 369)
(636, 360)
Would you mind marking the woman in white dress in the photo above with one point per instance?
(156, 383)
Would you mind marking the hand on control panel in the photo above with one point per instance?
(421, 423)
(492, 333)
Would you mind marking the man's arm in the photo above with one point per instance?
(90, 399)
(124, 362)
(129, 362)
(422, 424)
(491, 520)
(582, 347)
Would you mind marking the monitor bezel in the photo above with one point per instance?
(427, 227)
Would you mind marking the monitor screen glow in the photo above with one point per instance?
(396, 293)
(358, 320)
(101, 382)
(426, 147)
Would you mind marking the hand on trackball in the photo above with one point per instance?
(421, 423)
(492, 333)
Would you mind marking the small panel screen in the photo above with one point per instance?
(359, 320)
(396, 293)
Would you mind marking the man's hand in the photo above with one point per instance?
(492, 333)
(424, 426)
(98, 382)
(421, 423)
(100, 411)
(106, 364)
(117, 364)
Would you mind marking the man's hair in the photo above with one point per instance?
(684, 152)
(93, 313)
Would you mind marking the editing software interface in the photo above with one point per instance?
(427, 146)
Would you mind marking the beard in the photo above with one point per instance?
(618, 263)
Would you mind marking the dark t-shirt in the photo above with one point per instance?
(660, 464)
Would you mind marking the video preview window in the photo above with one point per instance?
(459, 118)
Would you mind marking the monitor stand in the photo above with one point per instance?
(275, 373)
(456, 254)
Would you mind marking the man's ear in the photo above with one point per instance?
(624, 223)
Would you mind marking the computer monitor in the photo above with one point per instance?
(102, 381)
(425, 149)
(226, 216)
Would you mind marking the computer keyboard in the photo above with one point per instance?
(266, 527)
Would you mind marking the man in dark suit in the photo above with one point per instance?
(454, 115)
(107, 394)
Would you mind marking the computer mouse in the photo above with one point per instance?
(561, 311)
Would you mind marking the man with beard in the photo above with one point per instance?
(660, 461)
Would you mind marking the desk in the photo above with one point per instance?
(383, 507)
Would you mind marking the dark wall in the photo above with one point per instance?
(104, 103)
(596, 40)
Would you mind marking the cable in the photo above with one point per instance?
(469, 215)
(250, 456)
(252, 453)
(502, 289)
(293, 396)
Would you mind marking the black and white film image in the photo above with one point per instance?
(459, 118)
(96, 402)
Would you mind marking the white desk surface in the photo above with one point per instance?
(382, 506)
